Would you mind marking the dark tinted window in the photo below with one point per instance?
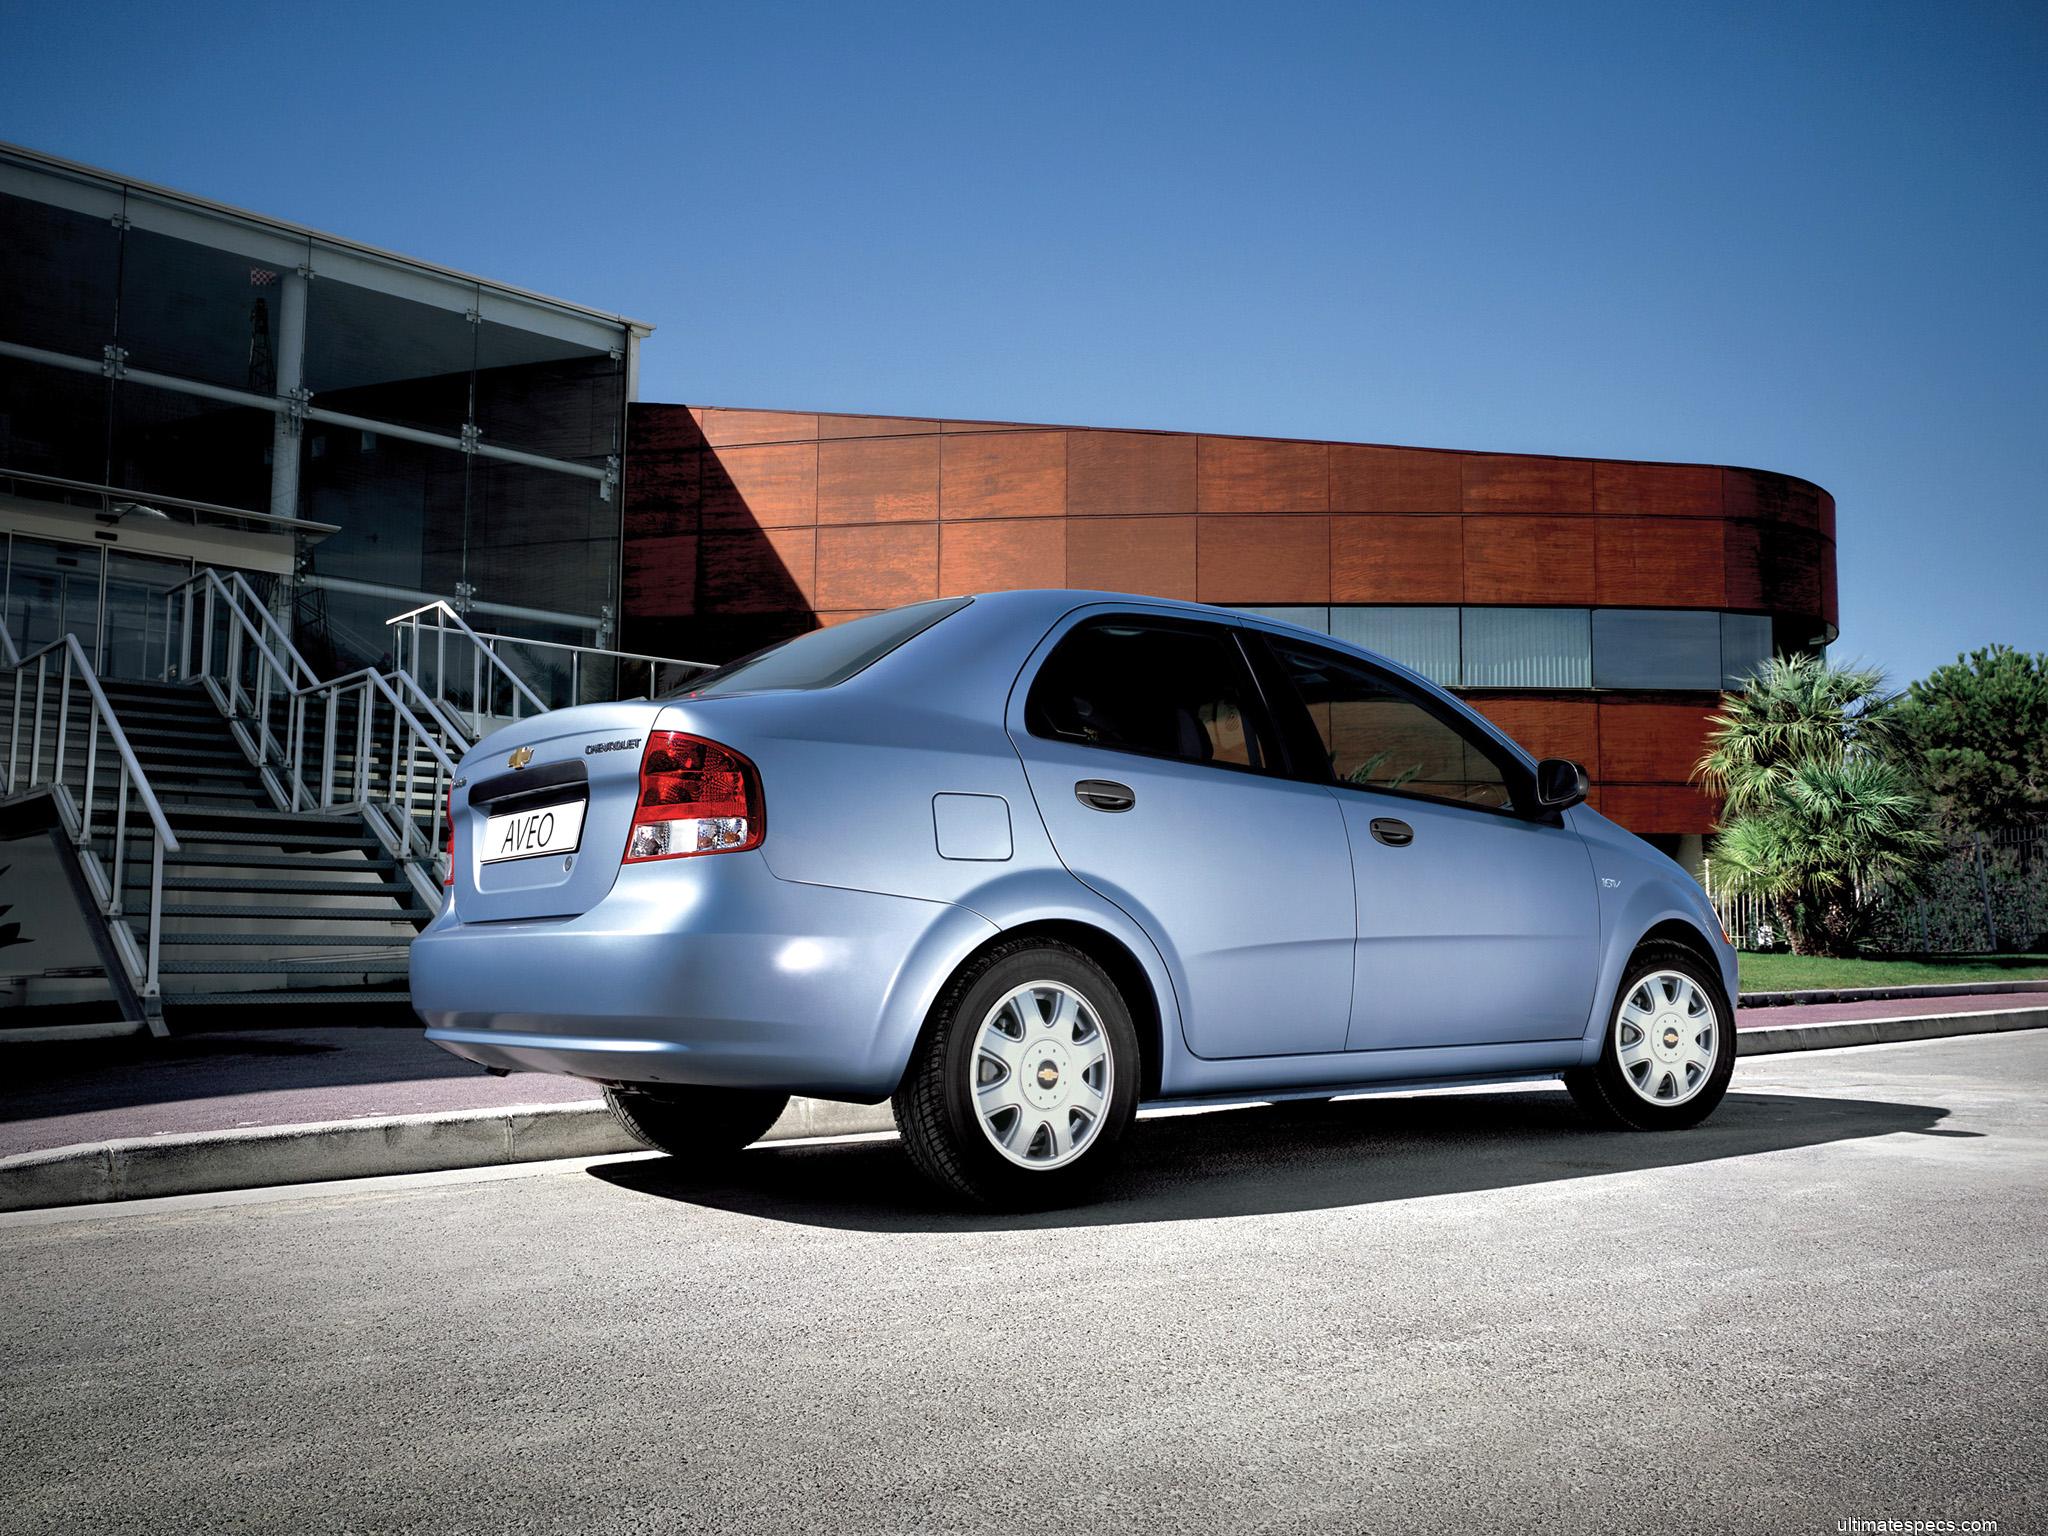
(1165, 691)
(824, 656)
(1379, 737)
(1650, 648)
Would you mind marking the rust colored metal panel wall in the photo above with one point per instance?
(746, 526)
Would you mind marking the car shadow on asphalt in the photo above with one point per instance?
(1271, 1159)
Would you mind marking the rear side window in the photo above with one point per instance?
(1376, 735)
(1178, 691)
(823, 657)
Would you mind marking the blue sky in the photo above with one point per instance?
(1809, 238)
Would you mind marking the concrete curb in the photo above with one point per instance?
(1812, 996)
(143, 1167)
(1769, 1039)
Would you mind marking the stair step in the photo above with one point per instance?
(378, 861)
(406, 913)
(354, 995)
(387, 890)
(365, 966)
(173, 942)
(188, 836)
(175, 769)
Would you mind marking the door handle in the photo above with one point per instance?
(1104, 795)
(1395, 834)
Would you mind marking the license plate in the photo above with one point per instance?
(529, 834)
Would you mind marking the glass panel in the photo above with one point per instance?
(1745, 646)
(136, 584)
(59, 276)
(1422, 639)
(1317, 619)
(200, 313)
(53, 421)
(1377, 737)
(541, 395)
(181, 445)
(1528, 648)
(541, 539)
(53, 589)
(1646, 648)
(1178, 693)
(400, 507)
(391, 359)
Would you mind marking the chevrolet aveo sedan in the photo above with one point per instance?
(1021, 862)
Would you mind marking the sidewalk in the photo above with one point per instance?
(127, 1119)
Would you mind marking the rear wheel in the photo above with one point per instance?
(1025, 1081)
(1669, 1049)
(701, 1124)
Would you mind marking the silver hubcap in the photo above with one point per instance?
(1042, 1075)
(1666, 1035)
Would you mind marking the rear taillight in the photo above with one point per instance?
(448, 848)
(695, 797)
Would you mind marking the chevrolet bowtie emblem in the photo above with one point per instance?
(520, 757)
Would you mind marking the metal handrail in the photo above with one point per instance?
(249, 681)
(487, 646)
(483, 661)
(280, 638)
(9, 656)
(107, 885)
(401, 780)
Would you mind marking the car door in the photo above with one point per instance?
(1156, 768)
(1478, 922)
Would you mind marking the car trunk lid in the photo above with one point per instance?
(542, 811)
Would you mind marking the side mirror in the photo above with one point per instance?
(1560, 784)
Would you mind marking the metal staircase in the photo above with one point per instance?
(262, 909)
(251, 839)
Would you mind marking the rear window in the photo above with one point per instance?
(823, 657)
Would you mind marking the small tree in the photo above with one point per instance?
(1833, 834)
(1796, 709)
(1818, 812)
(1978, 729)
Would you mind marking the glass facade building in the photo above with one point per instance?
(181, 381)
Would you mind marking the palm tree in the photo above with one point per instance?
(1832, 833)
(1796, 709)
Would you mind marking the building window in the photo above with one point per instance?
(1317, 619)
(1528, 648)
(1745, 646)
(1648, 648)
(1424, 640)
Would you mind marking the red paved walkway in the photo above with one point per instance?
(61, 1096)
(1890, 1008)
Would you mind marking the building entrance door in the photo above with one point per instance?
(112, 600)
(53, 589)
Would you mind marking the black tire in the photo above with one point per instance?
(1604, 1090)
(700, 1124)
(934, 1107)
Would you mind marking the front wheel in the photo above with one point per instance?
(701, 1124)
(1025, 1080)
(1669, 1049)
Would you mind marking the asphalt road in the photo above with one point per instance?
(1435, 1312)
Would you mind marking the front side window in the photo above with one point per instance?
(1160, 690)
(1376, 736)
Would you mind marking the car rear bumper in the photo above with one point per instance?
(703, 971)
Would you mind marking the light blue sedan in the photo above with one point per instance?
(1022, 862)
